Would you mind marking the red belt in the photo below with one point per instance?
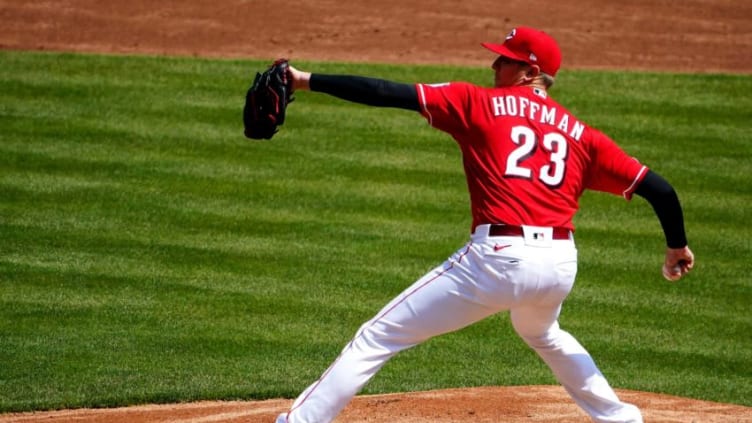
(509, 230)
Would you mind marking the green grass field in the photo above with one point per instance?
(150, 253)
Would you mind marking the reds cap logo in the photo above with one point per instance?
(532, 57)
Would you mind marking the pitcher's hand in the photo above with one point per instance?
(679, 261)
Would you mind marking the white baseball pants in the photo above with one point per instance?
(529, 277)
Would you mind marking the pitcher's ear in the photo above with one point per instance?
(533, 71)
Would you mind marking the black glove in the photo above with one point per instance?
(266, 101)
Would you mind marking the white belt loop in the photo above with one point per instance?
(481, 232)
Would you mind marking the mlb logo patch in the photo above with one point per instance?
(538, 236)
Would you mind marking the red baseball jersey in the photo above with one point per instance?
(527, 159)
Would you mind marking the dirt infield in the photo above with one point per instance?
(525, 404)
(686, 36)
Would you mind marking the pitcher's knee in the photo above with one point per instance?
(547, 340)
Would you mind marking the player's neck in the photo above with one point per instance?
(533, 81)
(535, 84)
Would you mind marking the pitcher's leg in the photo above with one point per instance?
(324, 400)
(572, 365)
(440, 302)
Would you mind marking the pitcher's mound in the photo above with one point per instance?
(516, 404)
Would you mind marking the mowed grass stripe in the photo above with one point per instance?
(151, 254)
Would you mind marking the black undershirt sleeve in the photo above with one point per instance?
(661, 195)
(369, 91)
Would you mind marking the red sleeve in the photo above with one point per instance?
(613, 170)
(445, 106)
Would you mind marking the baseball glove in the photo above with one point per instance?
(266, 101)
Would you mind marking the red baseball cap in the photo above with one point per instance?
(531, 46)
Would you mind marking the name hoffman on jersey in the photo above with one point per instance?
(512, 105)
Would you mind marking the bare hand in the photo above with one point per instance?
(679, 261)
(300, 79)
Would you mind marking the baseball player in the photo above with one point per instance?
(527, 161)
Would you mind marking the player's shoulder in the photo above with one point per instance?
(457, 91)
(451, 86)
